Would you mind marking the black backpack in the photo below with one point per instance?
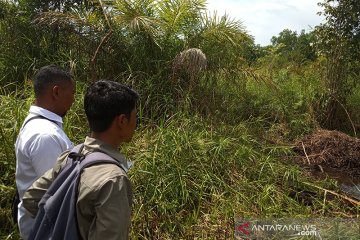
(56, 218)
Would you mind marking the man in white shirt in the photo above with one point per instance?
(42, 139)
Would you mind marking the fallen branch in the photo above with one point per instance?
(353, 201)
(103, 41)
(305, 153)
(93, 59)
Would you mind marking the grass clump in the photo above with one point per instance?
(12, 113)
(191, 179)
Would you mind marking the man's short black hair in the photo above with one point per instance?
(104, 100)
(47, 77)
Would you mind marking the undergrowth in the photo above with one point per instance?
(194, 174)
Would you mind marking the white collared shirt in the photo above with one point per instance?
(37, 147)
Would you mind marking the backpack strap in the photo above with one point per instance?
(92, 158)
(37, 117)
(56, 218)
(98, 157)
(16, 197)
(76, 154)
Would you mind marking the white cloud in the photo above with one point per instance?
(266, 18)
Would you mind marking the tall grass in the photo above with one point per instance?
(195, 173)
(13, 111)
(192, 179)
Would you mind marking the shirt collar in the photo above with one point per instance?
(100, 146)
(36, 110)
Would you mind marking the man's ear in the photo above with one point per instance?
(122, 119)
(56, 92)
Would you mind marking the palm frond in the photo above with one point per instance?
(58, 18)
(180, 14)
(76, 21)
(137, 16)
(223, 29)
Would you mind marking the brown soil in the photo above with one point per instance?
(332, 152)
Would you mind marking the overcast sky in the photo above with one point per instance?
(266, 18)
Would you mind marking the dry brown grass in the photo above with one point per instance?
(189, 63)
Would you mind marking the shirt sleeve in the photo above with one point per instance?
(34, 194)
(113, 210)
(44, 150)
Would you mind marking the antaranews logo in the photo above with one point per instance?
(243, 228)
(291, 228)
(265, 229)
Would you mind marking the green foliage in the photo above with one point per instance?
(286, 37)
(187, 169)
(291, 48)
(354, 106)
(339, 40)
(134, 40)
(13, 112)
(292, 101)
(342, 25)
(225, 32)
(218, 113)
(36, 6)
